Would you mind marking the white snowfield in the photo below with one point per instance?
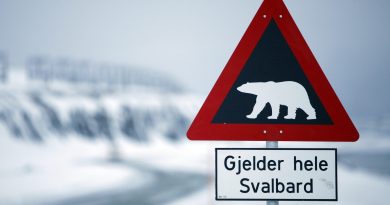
(76, 162)
(59, 169)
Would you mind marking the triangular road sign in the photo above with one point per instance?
(272, 89)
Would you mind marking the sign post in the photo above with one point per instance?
(270, 145)
(273, 89)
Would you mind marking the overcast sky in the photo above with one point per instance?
(193, 39)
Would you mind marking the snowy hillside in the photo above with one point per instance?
(34, 109)
(62, 138)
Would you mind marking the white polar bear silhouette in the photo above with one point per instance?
(288, 93)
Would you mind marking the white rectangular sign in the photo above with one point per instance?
(276, 174)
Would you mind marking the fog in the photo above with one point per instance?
(193, 40)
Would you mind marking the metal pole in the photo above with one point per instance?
(272, 144)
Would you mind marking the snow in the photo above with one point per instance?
(62, 168)
(40, 172)
(33, 109)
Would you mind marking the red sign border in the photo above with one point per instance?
(342, 128)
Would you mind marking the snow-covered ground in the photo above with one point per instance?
(31, 173)
(61, 169)
(355, 188)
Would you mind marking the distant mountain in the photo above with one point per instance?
(82, 71)
(37, 107)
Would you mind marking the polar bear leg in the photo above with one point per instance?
(275, 111)
(259, 106)
(311, 112)
(291, 113)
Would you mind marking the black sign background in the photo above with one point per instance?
(271, 60)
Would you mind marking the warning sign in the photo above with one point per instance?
(272, 89)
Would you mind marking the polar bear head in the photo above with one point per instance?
(250, 88)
